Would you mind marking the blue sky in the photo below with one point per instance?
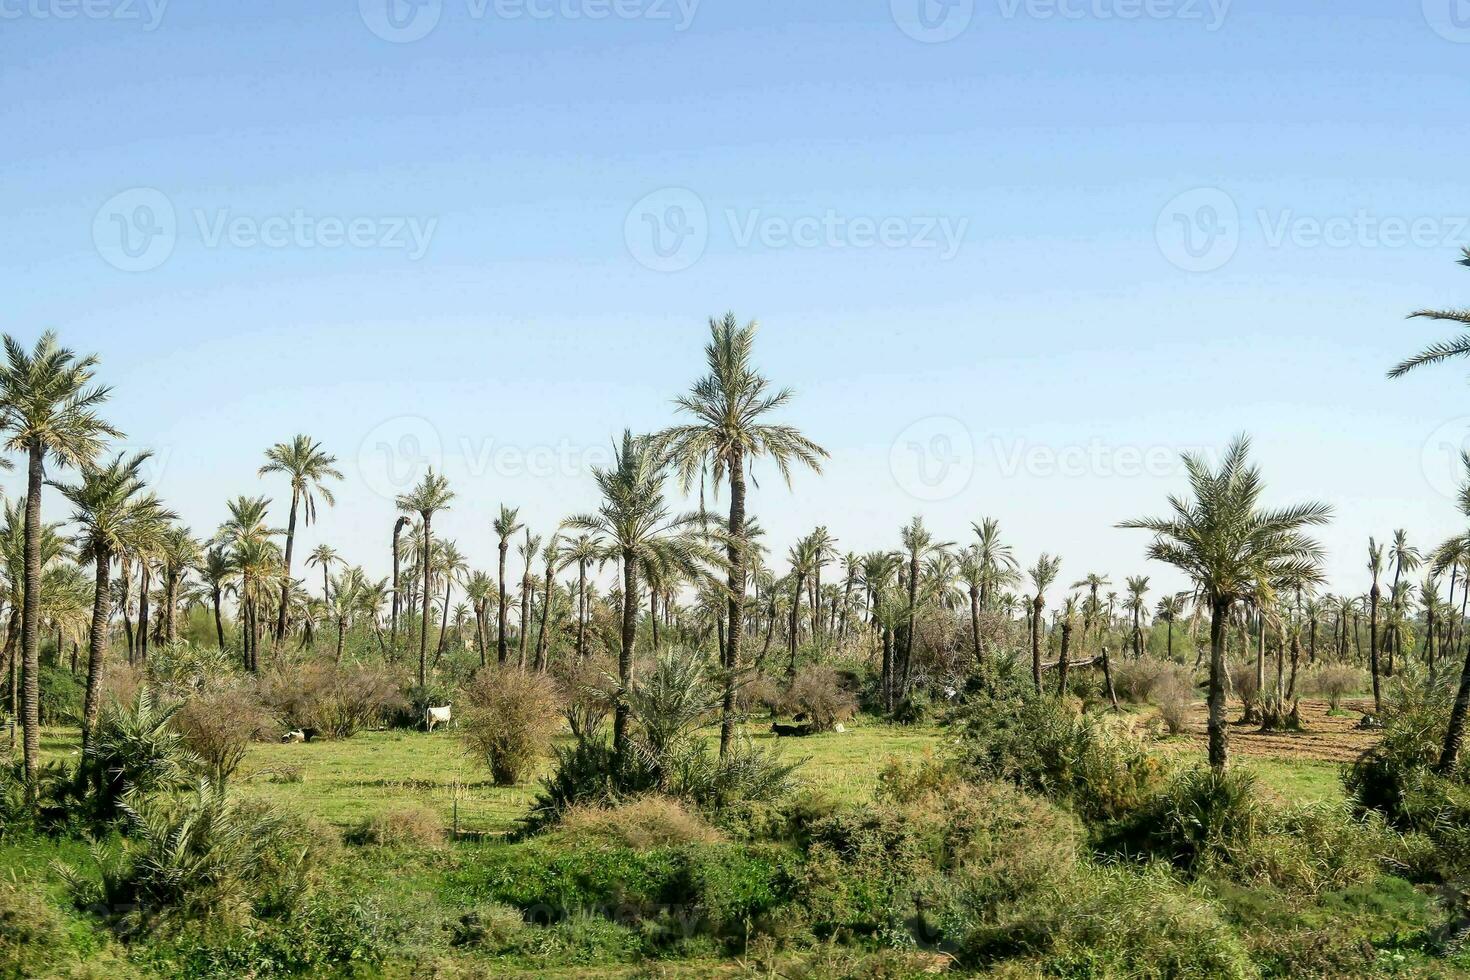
(968, 253)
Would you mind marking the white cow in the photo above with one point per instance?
(436, 716)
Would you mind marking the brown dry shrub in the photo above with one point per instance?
(1335, 682)
(764, 692)
(818, 693)
(337, 701)
(219, 725)
(643, 823)
(1174, 693)
(508, 720)
(413, 825)
(1139, 680)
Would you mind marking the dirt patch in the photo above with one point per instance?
(1324, 737)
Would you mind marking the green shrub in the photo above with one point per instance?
(62, 693)
(137, 749)
(1395, 777)
(413, 825)
(508, 721)
(324, 937)
(30, 929)
(1041, 744)
(1202, 816)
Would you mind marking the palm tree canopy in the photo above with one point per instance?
(308, 467)
(48, 400)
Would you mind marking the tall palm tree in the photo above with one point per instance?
(634, 526)
(1227, 543)
(527, 551)
(323, 556)
(398, 527)
(479, 588)
(1449, 553)
(252, 552)
(918, 544)
(431, 495)
(48, 408)
(996, 564)
(114, 511)
(802, 558)
(1375, 567)
(581, 551)
(551, 556)
(217, 573)
(309, 468)
(179, 552)
(823, 550)
(730, 407)
(505, 525)
(1406, 558)
(452, 565)
(1169, 608)
(1042, 575)
(1135, 603)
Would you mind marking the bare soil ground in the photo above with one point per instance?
(1324, 737)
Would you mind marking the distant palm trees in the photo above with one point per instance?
(1042, 575)
(730, 406)
(430, 496)
(48, 408)
(309, 468)
(1227, 543)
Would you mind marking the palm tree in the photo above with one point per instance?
(48, 407)
(551, 556)
(1444, 350)
(802, 557)
(431, 495)
(527, 551)
(918, 543)
(479, 588)
(398, 527)
(179, 552)
(995, 565)
(1449, 553)
(1042, 575)
(217, 574)
(505, 525)
(114, 512)
(581, 551)
(1169, 608)
(309, 468)
(634, 525)
(1405, 559)
(323, 556)
(452, 565)
(1137, 589)
(1227, 543)
(1375, 567)
(252, 552)
(730, 406)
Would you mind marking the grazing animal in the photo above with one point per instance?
(790, 731)
(436, 716)
(297, 736)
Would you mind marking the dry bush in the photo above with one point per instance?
(219, 725)
(120, 683)
(407, 826)
(508, 720)
(1335, 682)
(761, 691)
(643, 823)
(1139, 680)
(336, 701)
(1243, 681)
(1174, 693)
(818, 693)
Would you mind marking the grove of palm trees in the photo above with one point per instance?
(693, 489)
(650, 713)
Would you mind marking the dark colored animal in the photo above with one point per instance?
(790, 731)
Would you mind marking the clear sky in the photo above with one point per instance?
(1013, 255)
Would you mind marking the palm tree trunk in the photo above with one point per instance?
(424, 618)
(735, 601)
(127, 584)
(30, 620)
(625, 653)
(581, 610)
(1455, 733)
(286, 569)
(1037, 605)
(444, 619)
(1062, 659)
(397, 590)
(546, 616)
(143, 610)
(908, 635)
(96, 648)
(1215, 700)
(501, 650)
(219, 621)
(795, 623)
(1373, 647)
(480, 631)
(341, 632)
(975, 622)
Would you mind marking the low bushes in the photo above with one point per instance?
(507, 720)
(818, 693)
(1335, 682)
(337, 701)
(405, 826)
(642, 823)
(219, 725)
